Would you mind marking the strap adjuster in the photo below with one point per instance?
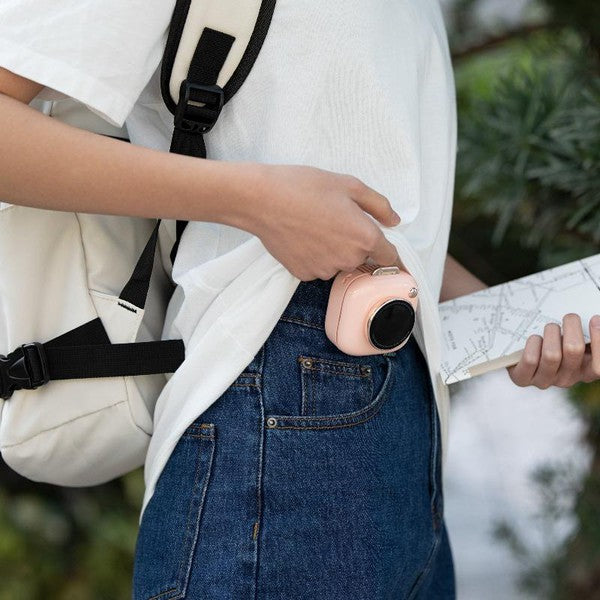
(24, 369)
(199, 107)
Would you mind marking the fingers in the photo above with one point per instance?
(522, 373)
(560, 359)
(591, 360)
(573, 350)
(372, 202)
(550, 358)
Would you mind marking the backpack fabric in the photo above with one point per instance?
(83, 297)
(63, 286)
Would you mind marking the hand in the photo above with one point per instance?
(315, 222)
(560, 360)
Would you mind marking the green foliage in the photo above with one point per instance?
(580, 567)
(77, 545)
(529, 152)
(528, 197)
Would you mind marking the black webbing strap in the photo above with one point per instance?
(207, 62)
(114, 360)
(92, 332)
(136, 289)
(82, 353)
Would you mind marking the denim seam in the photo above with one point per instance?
(255, 377)
(201, 427)
(303, 384)
(200, 508)
(338, 426)
(181, 588)
(348, 368)
(244, 385)
(302, 322)
(426, 569)
(340, 373)
(183, 580)
(434, 452)
(434, 493)
(259, 475)
(313, 396)
(162, 594)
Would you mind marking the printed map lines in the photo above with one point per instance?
(493, 324)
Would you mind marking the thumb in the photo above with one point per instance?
(385, 253)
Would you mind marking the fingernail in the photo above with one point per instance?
(396, 218)
(595, 322)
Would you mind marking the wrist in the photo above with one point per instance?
(458, 281)
(242, 199)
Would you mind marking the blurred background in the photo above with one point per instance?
(523, 469)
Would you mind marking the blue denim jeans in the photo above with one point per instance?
(316, 475)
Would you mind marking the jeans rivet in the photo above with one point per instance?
(306, 362)
(365, 370)
(271, 422)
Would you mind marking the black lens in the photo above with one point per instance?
(392, 324)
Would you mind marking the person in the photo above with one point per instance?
(279, 466)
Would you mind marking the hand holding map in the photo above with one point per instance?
(488, 329)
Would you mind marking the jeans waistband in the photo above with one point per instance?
(308, 304)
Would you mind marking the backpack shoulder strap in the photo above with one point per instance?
(211, 43)
(211, 48)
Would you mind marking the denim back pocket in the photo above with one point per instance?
(170, 525)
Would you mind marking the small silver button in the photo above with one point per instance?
(365, 370)
(271, 422)
(413, 292)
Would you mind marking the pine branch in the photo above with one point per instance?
(498, 40)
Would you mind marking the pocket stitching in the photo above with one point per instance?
(344, 419)
(338, 426)
(331, 367)
(196, 506)
(246, 379)
(198, 511)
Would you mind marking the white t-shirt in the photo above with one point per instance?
(352, 86)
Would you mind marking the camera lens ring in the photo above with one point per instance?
(378, 336)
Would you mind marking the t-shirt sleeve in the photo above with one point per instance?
(99, 52)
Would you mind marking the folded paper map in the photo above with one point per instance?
(488, 329)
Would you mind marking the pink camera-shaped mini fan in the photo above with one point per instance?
(371, 310)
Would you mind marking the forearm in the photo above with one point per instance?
(458, 281)
(48, 164)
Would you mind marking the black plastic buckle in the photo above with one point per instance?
(199, 107)
(24, 369)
